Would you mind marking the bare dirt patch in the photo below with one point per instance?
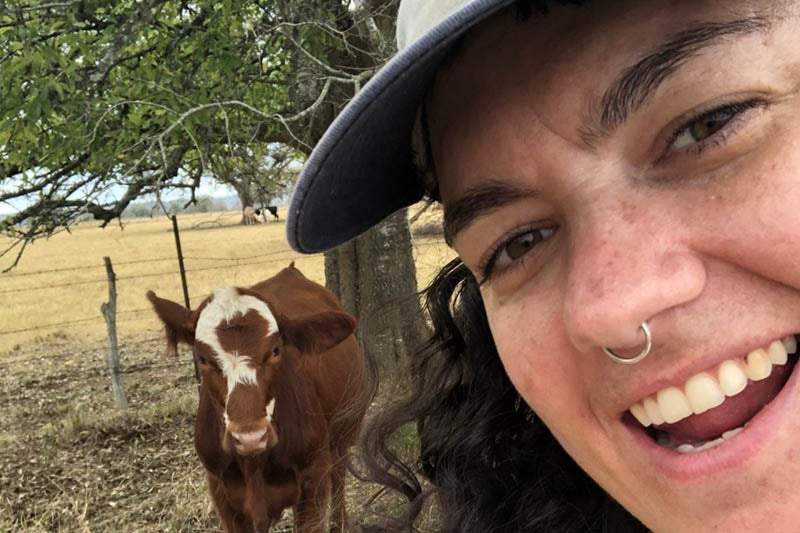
(70, 461)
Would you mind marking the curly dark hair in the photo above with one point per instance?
(492, 464)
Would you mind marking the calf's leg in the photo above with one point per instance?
(310, 512)
(230, 520)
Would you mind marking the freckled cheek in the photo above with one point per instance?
(755, 224)
(537, 361)
(776, 205)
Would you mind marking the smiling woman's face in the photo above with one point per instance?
(639, 161)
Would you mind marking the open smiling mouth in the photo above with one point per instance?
(714, 406)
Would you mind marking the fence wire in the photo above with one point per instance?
(146, 313)
(238, 262)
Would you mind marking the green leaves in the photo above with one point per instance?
(134, 96)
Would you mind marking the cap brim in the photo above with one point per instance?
(361, 171)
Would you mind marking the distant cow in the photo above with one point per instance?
(281, 399)
(249, 215)
(273, 209)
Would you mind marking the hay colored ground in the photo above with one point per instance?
(57, 289)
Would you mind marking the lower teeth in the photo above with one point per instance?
(665, 440)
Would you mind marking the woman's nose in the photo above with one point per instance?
(623, 270)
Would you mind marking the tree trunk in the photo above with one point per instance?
(246, 198)
(373, 275)
(375, 278)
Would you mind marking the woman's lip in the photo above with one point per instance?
(757, 434)
(677, 376)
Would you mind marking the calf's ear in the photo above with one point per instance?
(316, 333)
(179, 322)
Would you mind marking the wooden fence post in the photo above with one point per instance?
(109, 310)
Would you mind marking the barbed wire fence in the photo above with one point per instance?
(167, 265)
(163, 266)
(232, 263)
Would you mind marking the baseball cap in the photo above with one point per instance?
(362, 170)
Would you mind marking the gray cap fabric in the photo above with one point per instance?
(361, 171)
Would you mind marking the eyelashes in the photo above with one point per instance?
(706, 129)
(512, 249)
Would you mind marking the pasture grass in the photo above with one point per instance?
(69, 460)
(56, 291)
(62, 280)
(73, 462)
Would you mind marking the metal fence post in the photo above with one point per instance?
(183, 280)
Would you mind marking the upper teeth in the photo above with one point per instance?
(707, 390)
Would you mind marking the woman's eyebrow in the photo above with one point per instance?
(479, 201)
(638, 82)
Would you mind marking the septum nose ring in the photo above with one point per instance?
(648, 343)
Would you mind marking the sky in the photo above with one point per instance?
(207, 187)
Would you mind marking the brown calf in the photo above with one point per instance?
(281, 399)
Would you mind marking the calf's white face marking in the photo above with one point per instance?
(227, 303)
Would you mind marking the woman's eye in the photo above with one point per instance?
(514, 248)
(700, 131)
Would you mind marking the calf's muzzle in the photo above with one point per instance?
(250, 439)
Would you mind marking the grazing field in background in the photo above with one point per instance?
(69, 460)
(60, 284)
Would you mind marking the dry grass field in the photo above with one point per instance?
(60, 284)
(69, 461)
(63, 280)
